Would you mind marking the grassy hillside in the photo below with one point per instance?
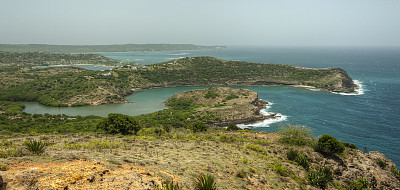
(102, 48)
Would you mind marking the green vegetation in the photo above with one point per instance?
(120, 124)
(13, 61)
(35, 147)
(232, 127)
(205, 182)
(167, 185)
(281, 170)
(360, 184)
(212, 71)
(321, 177)
(199, 127)
(381, 163)
(296, 135)
(13, 120)
(329, 144)
(301, 159)
(102, 48)
(77, 87)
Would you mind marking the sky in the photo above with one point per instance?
(202, 22)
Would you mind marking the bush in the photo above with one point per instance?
(205, 182)
(119, 123)
(35, 147)
(381, 163)
(329, 144)
(199, 126)
(292, 154)
(320, 178)
(232, 127)
(296, 135)
(352, 146)
(360, 184)
(281, 170)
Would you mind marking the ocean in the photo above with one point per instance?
(369, 120)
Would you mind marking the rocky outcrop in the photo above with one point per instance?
(229, 105)
(78, 174)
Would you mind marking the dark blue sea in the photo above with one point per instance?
(369, 120)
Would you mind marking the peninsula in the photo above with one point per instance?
(76, 87)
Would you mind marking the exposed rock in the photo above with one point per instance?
(78, 174)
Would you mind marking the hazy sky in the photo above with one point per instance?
(204, 22)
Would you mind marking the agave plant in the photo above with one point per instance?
(205, 182)
(36, 147)
(170, 186)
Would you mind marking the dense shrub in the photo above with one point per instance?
(329, 144)
(232, 127)
(352, 146)
(292, 154)
(199, 126)
(119, 123)
(320, 178)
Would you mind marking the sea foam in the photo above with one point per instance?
(359, 89)
(266, 123)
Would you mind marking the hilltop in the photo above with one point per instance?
(237, 160)
(178, 144)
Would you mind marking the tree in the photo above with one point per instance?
(330, 144)
(119, 123)
(199, 126)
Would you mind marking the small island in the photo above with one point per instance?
(227, 104)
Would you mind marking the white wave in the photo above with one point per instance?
(360, 90)
(266, 123)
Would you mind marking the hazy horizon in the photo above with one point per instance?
(223, 22)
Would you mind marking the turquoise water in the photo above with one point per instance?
(88, 67)
(369, 120)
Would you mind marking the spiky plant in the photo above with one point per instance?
(34, 146)
(303, 161)
(321, 177)
(169, 185)
(205, 182)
